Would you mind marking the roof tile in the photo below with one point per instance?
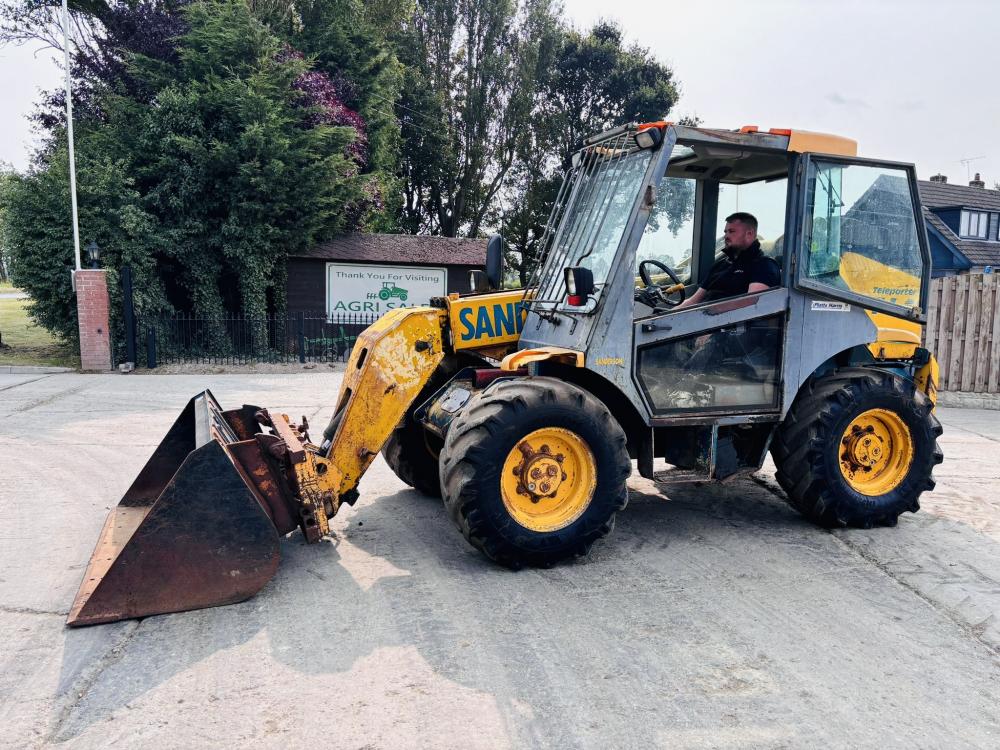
(400, 248)
(943, 195)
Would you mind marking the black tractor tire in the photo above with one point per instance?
(489, 428)
(807, 448)
(412, 450)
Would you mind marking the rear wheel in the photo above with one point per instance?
(412, 450)
(857, 449)
(533, 471)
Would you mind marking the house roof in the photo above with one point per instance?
(400, 248)
(979, 252)
(943, 195)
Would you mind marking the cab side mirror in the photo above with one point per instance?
(494, 262)
(478, 283)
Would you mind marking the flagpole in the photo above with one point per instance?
(69, 133)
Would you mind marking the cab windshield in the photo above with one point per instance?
(599, 195)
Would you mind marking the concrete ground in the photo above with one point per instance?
(715, 618)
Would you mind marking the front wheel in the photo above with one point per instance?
(533, 471)
(857, 448)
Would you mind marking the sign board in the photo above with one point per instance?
(374, 290)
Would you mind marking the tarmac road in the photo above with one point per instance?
(715, 618)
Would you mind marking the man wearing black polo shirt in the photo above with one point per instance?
(744, 270)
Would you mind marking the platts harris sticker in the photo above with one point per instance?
(823, 305)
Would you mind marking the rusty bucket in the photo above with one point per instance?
(199, 527)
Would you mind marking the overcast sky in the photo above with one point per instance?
(910, 80)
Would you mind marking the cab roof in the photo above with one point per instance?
(776, 139)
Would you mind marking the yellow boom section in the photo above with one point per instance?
(389, 365)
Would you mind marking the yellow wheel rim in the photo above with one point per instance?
(548, 479)
(876, 451)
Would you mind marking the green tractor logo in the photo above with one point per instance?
(390, 290)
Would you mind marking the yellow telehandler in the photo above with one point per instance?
(525, 409)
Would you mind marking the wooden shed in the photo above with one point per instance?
(369, 274)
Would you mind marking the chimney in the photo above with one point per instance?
(977, 182)
(939, 178)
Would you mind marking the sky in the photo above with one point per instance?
(910, 80)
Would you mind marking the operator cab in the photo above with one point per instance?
(702, 186)
(638, 225)
(860, 238)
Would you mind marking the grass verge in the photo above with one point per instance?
(26, 343)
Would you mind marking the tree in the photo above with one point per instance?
(204, 167)
(36, 230)
(467, 94)
(7, 177)
(588, 83)
(598, 83)
(236, 170)
(347, 41)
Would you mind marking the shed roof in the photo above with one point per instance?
(400, 248)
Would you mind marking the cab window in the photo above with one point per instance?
(669, 233)
(861, 232)
(766, 200)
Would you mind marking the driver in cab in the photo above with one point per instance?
(744, 270)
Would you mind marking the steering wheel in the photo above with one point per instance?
(655, 292)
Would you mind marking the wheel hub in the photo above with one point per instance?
(876, 451)
(540, 474)
(548, 479)
(864, 448)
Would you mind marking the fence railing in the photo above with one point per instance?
(242, 339)
(963, 331)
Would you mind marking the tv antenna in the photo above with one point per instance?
(966, 162)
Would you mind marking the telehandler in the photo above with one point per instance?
(525, 409)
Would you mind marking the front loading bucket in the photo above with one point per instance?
(189, 533)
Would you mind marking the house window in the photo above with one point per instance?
(974, 224)
(994, 223)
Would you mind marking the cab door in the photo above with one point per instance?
(721, 357)
(863, 240)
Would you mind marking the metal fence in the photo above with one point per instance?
(241, 339)
(963, 331)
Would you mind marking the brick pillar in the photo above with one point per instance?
(92, 308)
